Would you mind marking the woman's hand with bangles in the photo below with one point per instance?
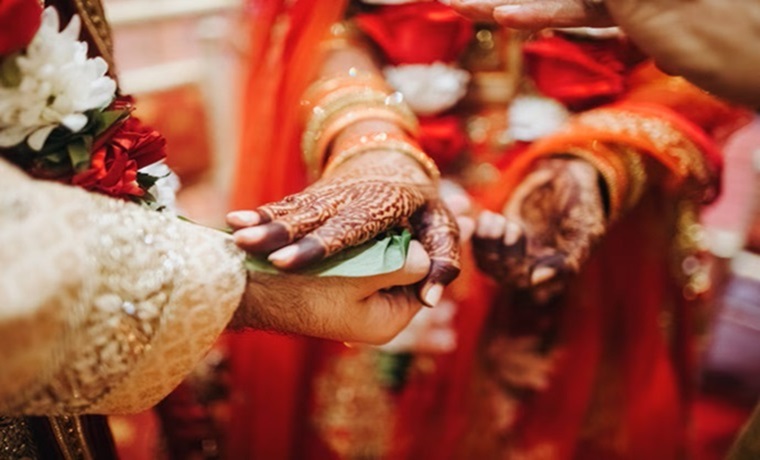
(364, 196)
(547, 229)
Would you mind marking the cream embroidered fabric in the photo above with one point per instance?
(104, 306)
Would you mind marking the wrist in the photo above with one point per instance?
(244, 316)
(373, 136)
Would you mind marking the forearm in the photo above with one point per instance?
(716, 53)
(353, 58)
(106, 306)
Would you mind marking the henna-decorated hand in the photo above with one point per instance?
(363, 197)
(548, 228)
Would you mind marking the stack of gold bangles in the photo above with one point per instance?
(334, 103)
(396, 142)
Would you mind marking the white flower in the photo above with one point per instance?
(58, 84)
(429, 89)
(535, 117)
(166, 187)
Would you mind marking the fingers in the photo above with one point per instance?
(480, 10)
(415, 269)
(548, 277)
(285, 229)
(466, 229)
(535, 14)
(430, 331)
(263, 214)
(240, 219)
(500, 247)
(386, 313)
(436, 228)
(455, 197)
(351, 226)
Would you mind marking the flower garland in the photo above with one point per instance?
(60, 116)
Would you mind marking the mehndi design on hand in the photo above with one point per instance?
(367, 195)
(548, 228)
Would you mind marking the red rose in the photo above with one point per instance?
(116, 160)
(417, 33)
(19, 21)
(443, 138)
(112, 173)
(581, 75)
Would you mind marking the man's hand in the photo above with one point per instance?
(548, 228)
(536, 14)
(363, 310)
(364, 197)
(709, 42)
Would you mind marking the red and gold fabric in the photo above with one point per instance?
(614, 355)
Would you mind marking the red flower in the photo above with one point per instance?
(580, 74)
(19, 21)
(417, 33)
(443, 138)
(116, 160)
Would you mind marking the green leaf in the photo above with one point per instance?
(10, 74)
(79, 153)
(146, 181)
(107, 118)
(384, 255)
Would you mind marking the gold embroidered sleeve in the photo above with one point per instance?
(104, 306)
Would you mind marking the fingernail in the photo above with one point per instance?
(507, 9)
(512, 233)
(432, 295)
(541, 275)
(283, 256)
(251, 235)
(245, 217)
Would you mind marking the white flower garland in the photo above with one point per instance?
(429, 89)
(58, 84)
(535, 117)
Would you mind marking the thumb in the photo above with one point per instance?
(415, 268)
(436, 228)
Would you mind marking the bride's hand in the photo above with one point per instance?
(548, 228)
(365, 196)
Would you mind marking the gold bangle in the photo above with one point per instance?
(325, 124)
(345, 99)
(315, 158)
(318, 90)
(637, 175)
(613, 172)
(342, 34)
(385, 141)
